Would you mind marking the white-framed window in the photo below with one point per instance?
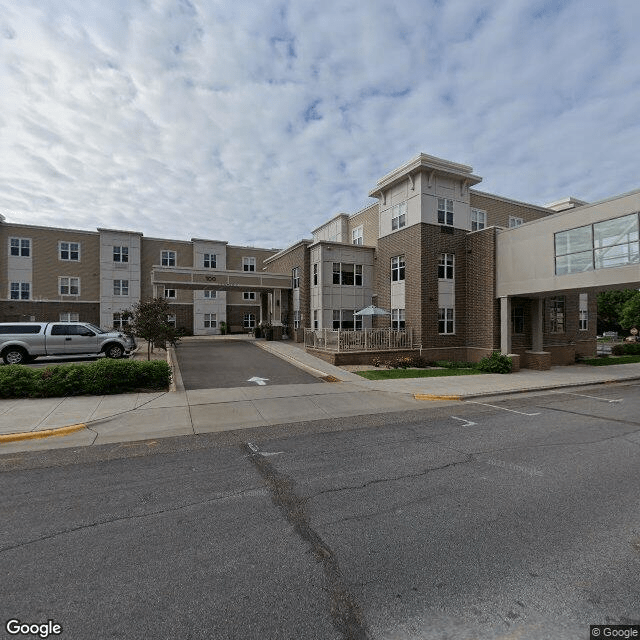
(249, 321)
(515, 222)
(248, 295)
(211, 295)
(397, 268)
(296, 319)
(478, 219)
(210, 260)
(119, 321)
(69, 251)
(169, 293)
(69, 316)
(120, 254)
(20, 247)
(557, 314)
(171, 319)
(315, 318)
(120, 287)
(397, 319)
(210, 321)
(315, 274)
(583, 312)
(168, 258)
(357, 235)
(295, 277)
(445, 266)
(249, 264)
(347, 274)
(346, 319)
(20, 290)
(445, 211)
(68, 286)
(446, 323)
(398, 216)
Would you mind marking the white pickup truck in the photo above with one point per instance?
(21, 342)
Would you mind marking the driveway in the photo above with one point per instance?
(210, 364)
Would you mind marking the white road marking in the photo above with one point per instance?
(582, 395)
(257, 380)
(493, 406)
(467, 423)
(263, 453)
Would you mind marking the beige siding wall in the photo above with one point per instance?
(369, 220)
(151, 254)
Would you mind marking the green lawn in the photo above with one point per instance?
(392, 374)
(603, 362)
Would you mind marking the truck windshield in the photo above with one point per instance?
(96, 329)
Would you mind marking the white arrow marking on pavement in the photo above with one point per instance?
(467, 423)
(260, 381)
(262, 453)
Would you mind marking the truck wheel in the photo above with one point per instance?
(15, 355)
(114, 351)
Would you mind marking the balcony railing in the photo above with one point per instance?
(361, 340)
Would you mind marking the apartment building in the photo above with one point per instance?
(68, 275)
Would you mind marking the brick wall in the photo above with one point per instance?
(499, 209)
(235, 317)
(22, 310)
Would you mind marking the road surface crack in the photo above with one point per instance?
(345, 611)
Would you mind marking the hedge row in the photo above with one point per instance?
(97, 378)
(626, 349)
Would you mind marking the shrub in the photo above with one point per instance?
(102, 377)
(626, 349)
(495, 363)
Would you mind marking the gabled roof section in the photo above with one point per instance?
(430, 164)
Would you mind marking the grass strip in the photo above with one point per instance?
(609, 360)
(392, 374)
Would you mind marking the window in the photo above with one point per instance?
(445, 211)
(336, 318)
(210, 321)
(445, 321)
(210, 294)
(347, 274)
(120, 287)
(69, 251)
(556, 314)
(315, 274)
(171, 320)
(358, 275)
(69, 286)
(517, 319)
(119, 321)
(583, 312)
(20, 247)
(574, 250)
(336, 273)
(296, 319)
(478, 219)
(168, 258)
(169, 293)
(445, 266)
(69, 316)
(209, 260)
(249, 321)
(248, 295)
(315, 318)
(398, 216)
(357, 236)
(345, 319)
(20, 290)
(120, 254)
(397, 268)
(295, 277)
(248, 264)
(397, 319)
(515, 222)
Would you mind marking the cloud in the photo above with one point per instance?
(255, 122)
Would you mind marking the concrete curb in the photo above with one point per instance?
(45, 433)
(301, 365)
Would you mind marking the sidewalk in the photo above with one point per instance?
(32, 424)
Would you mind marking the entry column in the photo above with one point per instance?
(505, 325)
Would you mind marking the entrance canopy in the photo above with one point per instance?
(218, 280)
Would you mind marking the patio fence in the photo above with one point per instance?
(361, 340)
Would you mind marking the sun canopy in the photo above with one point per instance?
(372, 311)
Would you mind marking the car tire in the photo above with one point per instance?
(15, 355)
(114, 351)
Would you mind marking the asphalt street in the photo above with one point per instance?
(511, 517)
(222, 364)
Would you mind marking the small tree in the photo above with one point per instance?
(630, 314)
(148, 320)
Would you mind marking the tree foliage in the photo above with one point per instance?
(148, 320)
(610, 308)
(630, 315)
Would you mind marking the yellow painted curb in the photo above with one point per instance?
(45, 433)
(429, 396)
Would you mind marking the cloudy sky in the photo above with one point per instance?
(255, 121)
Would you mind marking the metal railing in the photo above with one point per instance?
(358, 340)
